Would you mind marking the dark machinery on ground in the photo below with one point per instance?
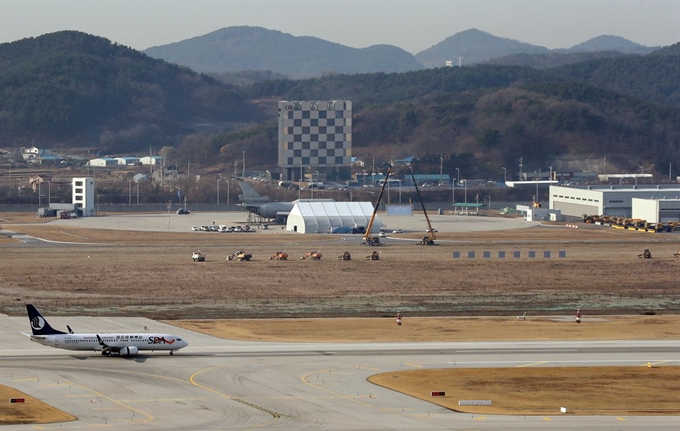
(368, 238)
(345, 256)
(373, 256)
(646, 254)
(312, 255)
(240, 256)
(429, 239)
(279, 255)
(676, 254)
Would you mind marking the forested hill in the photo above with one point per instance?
(82, 89)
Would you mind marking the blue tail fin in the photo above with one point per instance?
(39, 325)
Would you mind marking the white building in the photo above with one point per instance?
(151, 160)
(314, 134)
(324, 216)
(656, 210)
(83, 195)
(103, 162)
(606, 200)
(127, 161)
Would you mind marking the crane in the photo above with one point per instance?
(429, 239)
(368, 239)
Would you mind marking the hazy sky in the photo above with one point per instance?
(413, 25)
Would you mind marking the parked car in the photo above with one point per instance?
(382, 234)
(182, 211)
(194, 228)
(397, 231)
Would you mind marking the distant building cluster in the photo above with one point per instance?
(37, 156)
(314, 135)
(108, 162)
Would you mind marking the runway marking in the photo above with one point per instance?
(656, 363)
(192, 379)
(414, 365)
(27, 379)
(367, 368)
(547, 419)
(531, 364)
(149, 417)
(480, 419)
(620, 419)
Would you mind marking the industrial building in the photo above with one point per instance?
(315, 136)
(615, 200)
(323, 217)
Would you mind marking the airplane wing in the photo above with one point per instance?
(117, 349)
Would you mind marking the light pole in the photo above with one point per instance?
(400, 192)
(38, 193)
(453, 192)
(465, 190)
(49, 193)
(458, 175)
(130, 192)
(218, 191)
(228, 186)
(505, 175)
(137, 192)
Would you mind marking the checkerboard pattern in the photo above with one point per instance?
(315, 133)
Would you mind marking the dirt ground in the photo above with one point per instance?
(600, 273)
(32, 411)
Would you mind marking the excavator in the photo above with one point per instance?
(375, 240)
(430, 237)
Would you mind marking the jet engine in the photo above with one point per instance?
(129, 351)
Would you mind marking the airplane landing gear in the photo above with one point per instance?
(171, 353)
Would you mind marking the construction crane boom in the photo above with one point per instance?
(368, 239)
(429, 239)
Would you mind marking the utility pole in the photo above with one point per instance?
(441, 165)
(244, 164)
(520, 168)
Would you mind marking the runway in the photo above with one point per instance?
(222, 384)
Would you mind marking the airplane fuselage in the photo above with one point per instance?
(141, 342)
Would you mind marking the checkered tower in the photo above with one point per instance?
(314, 135)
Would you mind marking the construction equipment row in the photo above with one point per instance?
(631, 223)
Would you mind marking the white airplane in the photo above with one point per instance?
(108, 344)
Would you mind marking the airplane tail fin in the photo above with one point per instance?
(39, 325)
(250, 195)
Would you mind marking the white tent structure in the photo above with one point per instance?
(323, 217)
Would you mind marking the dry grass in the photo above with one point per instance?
(33, 411)
(439, 329)
(542, 391)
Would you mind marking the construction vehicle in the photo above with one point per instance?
(646, 254)
(430, 237)
(279, 255)
(373, 256)
(676, 254)
(240, 256)
(368, 238)
(312, 255)
(345, 256)
(197, 256)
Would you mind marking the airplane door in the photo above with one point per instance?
(294, 228)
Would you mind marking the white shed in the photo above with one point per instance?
(323, 217)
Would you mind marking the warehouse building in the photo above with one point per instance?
(656, 210)
(609, 200)
(325, 216)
